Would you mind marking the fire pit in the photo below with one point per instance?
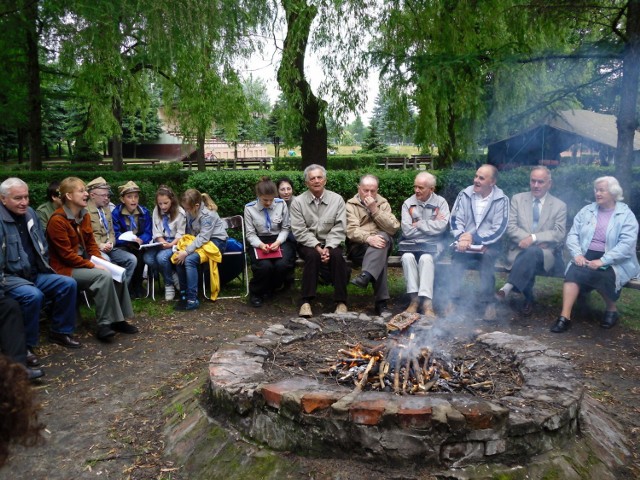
(415, 394)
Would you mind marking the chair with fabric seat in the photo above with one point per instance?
(234, 262)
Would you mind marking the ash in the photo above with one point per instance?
(421, 360)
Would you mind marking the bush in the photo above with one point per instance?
(233, 189)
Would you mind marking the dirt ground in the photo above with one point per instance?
(105, 405)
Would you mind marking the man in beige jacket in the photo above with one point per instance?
(318, 222)
(370, 229)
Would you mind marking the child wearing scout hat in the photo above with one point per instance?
(130, 216)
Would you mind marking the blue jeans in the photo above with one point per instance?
(61, 291)
(188, 274)
(159, 260)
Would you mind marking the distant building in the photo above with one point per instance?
(570, 136)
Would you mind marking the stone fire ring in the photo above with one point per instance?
(301, 415)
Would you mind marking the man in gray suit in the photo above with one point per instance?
(536, 231)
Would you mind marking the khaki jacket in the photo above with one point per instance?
(361, 224)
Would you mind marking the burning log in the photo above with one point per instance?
(365, 375)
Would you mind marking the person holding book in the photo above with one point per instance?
(479, 219)
(169, 224)
(130, 216)
(425, 218)
(204, 225)
(272, 256)
(72, 245)
(371, 226)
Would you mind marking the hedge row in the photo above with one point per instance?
(233, 189)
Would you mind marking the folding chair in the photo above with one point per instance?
(235, 222)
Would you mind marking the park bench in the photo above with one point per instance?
(140, 162)
(423, 162)
(263, 163)
(395, 262)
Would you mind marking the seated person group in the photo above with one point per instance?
(71, 243)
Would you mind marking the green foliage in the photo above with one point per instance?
(231, 189)
(372, 142)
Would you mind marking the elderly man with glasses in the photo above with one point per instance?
(102, 224)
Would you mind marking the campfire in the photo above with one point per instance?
(400, 366)
(426, 391)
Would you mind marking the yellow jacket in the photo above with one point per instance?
(207, 252)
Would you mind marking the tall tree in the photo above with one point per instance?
(335, 30)
(512, 61)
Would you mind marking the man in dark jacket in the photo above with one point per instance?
(26, 273)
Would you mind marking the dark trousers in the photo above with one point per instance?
(271, 274)
(338, 272)
(484, 262)
(12, 341)
(528, 264)
(374, 261)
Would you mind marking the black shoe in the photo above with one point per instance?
(105, 333)
(527, 308)
(64, 339)
(609, 319)
(255, 300)
(362, 280)
(562, 325)
(181, 305)
(124, 327)
(32, 360)
(34, 373)
(381, 307)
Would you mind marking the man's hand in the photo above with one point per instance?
(324, 253)
(370, 204)
(526, 242)
(264, 247)
(376, 241)
(464, 242)
(105, 247)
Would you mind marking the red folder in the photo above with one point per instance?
(261, 255)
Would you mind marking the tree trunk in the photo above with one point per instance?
(33, 86)
(117, 161)
(200, 151)
(626, 120)
(295, 87)
(20, 146)
(70, 148)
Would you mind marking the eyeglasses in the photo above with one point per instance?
(102, 195)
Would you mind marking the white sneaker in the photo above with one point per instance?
(169, 292)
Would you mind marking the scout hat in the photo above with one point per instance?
(128, 187)
(97, 183)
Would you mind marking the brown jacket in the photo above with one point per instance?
(65, 238)
(361, 224)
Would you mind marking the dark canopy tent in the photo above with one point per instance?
(575, 130)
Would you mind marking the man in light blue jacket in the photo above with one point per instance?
(479, 218)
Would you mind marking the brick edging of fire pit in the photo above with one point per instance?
(300, 414)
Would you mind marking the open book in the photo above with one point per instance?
(116, 271)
